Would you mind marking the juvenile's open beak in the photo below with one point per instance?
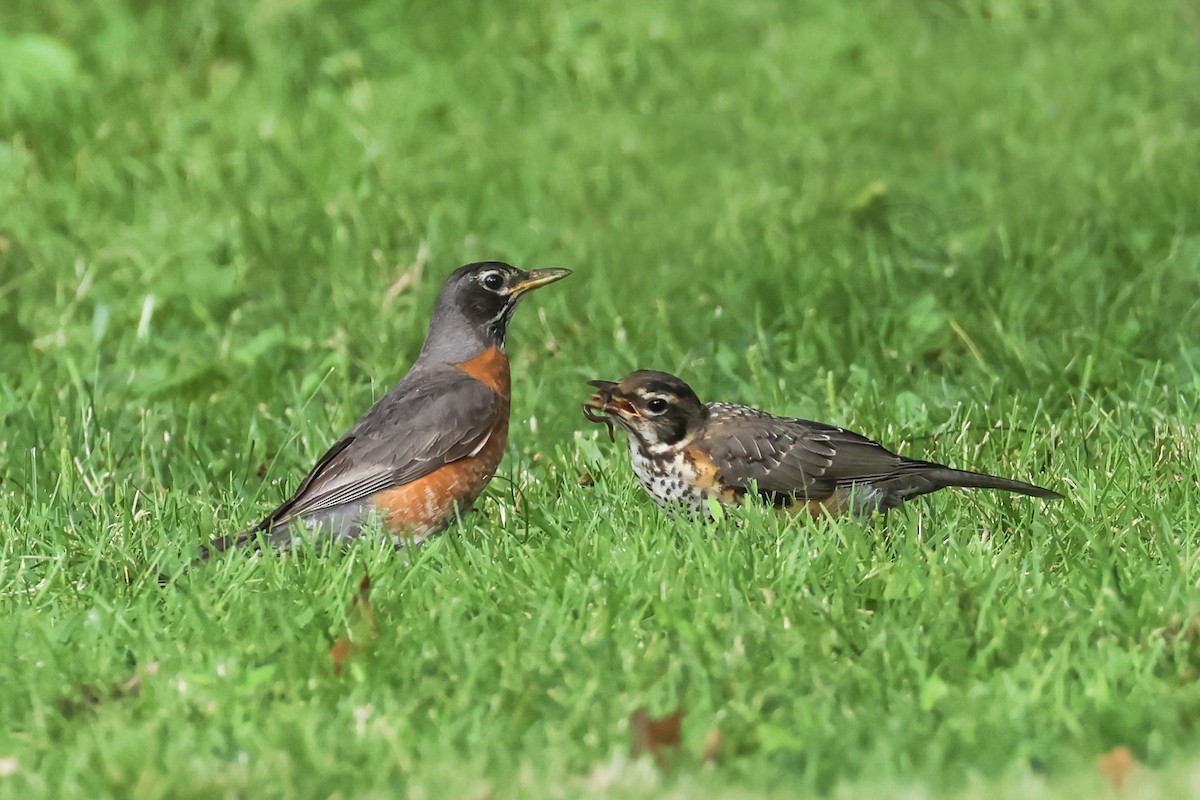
(535, 278)
(608, 399)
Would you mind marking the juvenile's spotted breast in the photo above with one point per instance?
(685, 452)
(675, 479)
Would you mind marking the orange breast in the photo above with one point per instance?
(491, 369)
(707, 479)
(426, 505)
(832, 505)
(706, 476)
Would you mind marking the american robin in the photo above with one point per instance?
(424, 452)
(686, 452)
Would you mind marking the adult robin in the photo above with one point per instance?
(423, 453)
(686, 452)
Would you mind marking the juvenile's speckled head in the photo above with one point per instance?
(656, 407)
(476, 304)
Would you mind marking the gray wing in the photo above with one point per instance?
(415, 428)
(786, 457)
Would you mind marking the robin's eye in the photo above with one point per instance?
(493, 281)
(656, 405)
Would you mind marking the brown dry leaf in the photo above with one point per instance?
(585, 479)
(86, 699)
(1116, 765)
(360, 630)
(130, 687)
(409, 278)
(713, 742)
(655, 735)
(90, 697)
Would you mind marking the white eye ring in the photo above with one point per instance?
(493, 281)
(657, 405)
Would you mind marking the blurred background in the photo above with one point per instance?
(214, 202)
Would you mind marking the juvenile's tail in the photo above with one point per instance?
(947, 476)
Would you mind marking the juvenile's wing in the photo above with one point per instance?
(797, 458)
(788, 458)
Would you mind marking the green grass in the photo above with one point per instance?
(968, 228)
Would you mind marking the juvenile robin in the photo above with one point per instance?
(686, 452)
(423, 453)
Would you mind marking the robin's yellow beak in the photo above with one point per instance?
(534, 279)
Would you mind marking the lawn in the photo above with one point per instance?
(967, 228)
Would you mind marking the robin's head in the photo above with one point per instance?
(476, 304)
(656, 407)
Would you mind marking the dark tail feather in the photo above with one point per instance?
(947, 476)
(223, 543)
(250, 536)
